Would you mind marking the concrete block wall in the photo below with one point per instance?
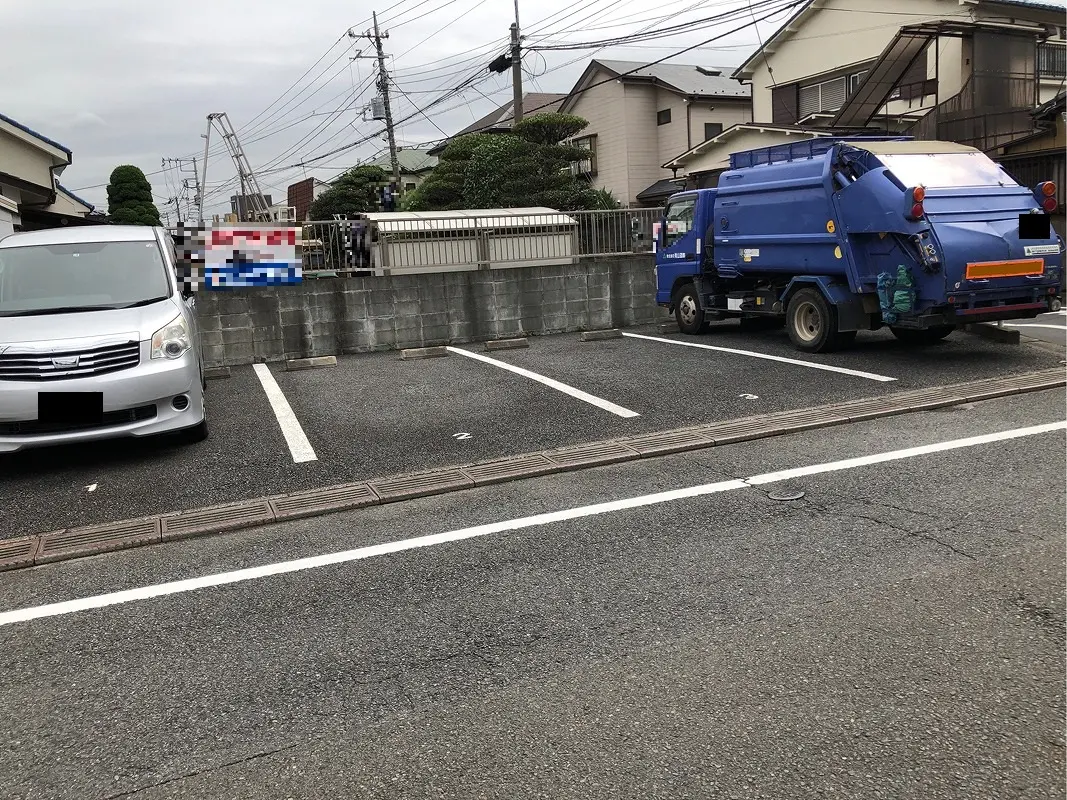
(335, 316)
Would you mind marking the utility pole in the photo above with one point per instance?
(516, 69)
(203, 178)
(383, 87)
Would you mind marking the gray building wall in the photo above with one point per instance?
(335, 316)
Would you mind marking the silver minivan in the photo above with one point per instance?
(97, 338)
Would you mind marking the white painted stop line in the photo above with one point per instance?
(295, 437)
(362, 553)
(578, 394)
(825, 367)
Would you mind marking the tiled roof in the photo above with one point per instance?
(533, 102)
(412, 159)
(34, 133)
(689, 79)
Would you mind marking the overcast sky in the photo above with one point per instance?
(131, 81)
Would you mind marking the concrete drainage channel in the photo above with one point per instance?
(95, 539)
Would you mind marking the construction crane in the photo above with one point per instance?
(251, 196)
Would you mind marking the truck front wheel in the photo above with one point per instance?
(812, 323)
(687, 310)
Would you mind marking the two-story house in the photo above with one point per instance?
(30, 194)
(969, 71)
(501, 118)
(640, 116)
(415, 164)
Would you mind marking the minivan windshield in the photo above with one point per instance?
(946, 170)
(87, 276)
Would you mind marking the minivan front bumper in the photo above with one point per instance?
(138, 401)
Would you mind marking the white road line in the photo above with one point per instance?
(1034, 325)
(843, 370)
(362, 553)
(562, 387)
(298, 443)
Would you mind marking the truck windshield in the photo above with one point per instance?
(90, 276)
(946, 170)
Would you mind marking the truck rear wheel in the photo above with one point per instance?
(687, 310)
(812, 323)
(920, 337)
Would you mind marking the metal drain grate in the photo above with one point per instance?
(804, 419)
(423, 484)
(320, 501)
(656, 444)
(93, 539)
(216, 519)
(1015, 384)
(525, 466)
(15, 553)
(593, 453)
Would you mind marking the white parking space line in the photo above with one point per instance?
(826, 367)
(1034, 325)
(362, 553)
(294, 435)
(561, 387)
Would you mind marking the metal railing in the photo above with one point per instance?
(453, 242)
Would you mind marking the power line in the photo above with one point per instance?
(659, 33)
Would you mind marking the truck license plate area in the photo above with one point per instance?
(982, 270)
(70, 408)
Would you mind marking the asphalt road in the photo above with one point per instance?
(897, 632)
(1050, 328)
(377, 415)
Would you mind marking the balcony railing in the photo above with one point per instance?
(1052, 61)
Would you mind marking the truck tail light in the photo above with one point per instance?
(918, 194)
(1045, 193)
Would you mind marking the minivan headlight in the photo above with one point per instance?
(172, 340)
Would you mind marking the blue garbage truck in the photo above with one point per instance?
(832, 236)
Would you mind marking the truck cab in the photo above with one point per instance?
(833, 236)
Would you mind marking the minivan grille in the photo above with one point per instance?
(15, 366)
(110, 418)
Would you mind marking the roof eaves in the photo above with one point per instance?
(592, 67)
(774, 37)
(74, 197)
(736, 128)
(1036, 5)
(36, 135)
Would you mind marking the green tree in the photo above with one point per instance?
(129, 197)
(443, 189)
(355, 192)
(528, 167)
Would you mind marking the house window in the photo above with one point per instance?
(663, 117)
(711, 130)
(1052, 61)
(409, 187)
(587, 166)
(828, 96)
